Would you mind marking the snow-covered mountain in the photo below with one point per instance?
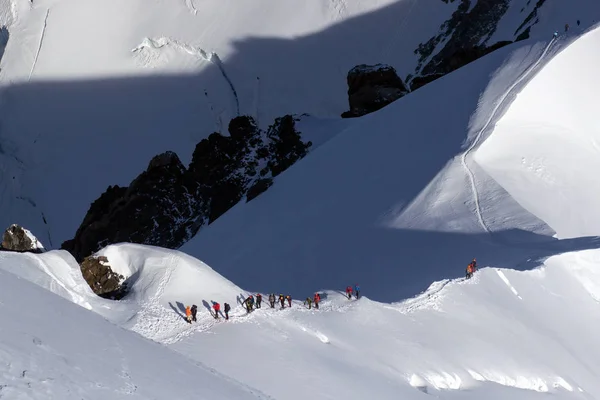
(92, 92)
(404, 197)
(52, 349)
(502, 334)
(466, 166)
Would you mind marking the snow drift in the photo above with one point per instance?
(53, 349)
(502, 334)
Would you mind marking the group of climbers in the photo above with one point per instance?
(190, 312)
(250, 303)
(316, 300)
(355, 291)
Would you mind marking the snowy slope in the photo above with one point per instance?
(503, 334)
(547, 143)
(98, 88)
(379, 203)
(52, 349)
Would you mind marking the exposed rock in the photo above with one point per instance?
(102, 279)
(466, 35)
(160, 207)
(225, 165)
(285, 145)
(259, 187)
(372, 87)
(533, 18)
(167, 204)
(17, 238)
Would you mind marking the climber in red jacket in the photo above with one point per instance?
(217, 308)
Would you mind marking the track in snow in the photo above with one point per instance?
(37, 53)
(492, 117)
(157, 44)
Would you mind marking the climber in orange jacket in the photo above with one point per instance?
(188, 314)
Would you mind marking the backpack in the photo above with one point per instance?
(227, 307)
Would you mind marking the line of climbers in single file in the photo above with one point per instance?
(250, 304)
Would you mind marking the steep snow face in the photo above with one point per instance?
(545, 150)
(380, 206)
(503, 334)
(53, 349)
(107, 97)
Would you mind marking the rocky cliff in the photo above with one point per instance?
(168, 203)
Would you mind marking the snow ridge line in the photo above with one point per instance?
(37, 53)
(477, 139)
(76, 297)
(213, 58)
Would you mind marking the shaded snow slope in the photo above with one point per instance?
(545, 150)
(51, 349)
(90, 103)
(396, 201)
(503, 334)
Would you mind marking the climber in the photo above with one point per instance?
(471, 268)
(217, 308)
(309, 302)
(248, 303)
(289, 299)
(282, 300)
(357, 291)
(566, 27)
(258, 300)
(555, 34)
(194, 312)
(227, 308)
(317, 299)
(188, 314)
(272, 300)
(349, 292)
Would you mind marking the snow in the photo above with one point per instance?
(35, 243)
(132, 88)
(502, 334)
(398, 201)
(52, 349)
(548, 141)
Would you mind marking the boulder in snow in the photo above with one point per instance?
(102, 279)
(371, 87)
(17, 238)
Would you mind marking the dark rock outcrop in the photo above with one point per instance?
(16, 238)
(372, 87)
(224, 166)
(104, 282)
(167, 204)
(160, 207)
(466, 35)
